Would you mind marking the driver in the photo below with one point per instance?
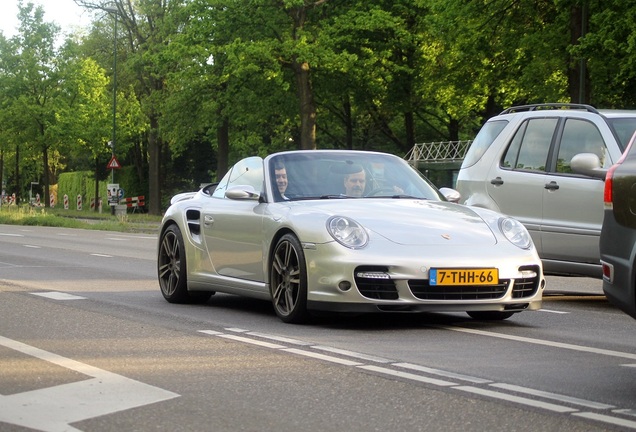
(355, 182)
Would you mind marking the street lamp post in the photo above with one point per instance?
(115, 12)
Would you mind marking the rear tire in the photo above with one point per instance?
(172, 269)
(490, 315)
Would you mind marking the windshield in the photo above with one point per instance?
(345, 174)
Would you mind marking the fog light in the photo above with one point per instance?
(344, 286)
(372, 275)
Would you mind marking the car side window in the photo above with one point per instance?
(248, 172)
(530, 146)
(219, 192)
(580, 136)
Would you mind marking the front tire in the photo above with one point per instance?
(172, 269)
(288, 280)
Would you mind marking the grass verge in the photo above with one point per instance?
(40, 216)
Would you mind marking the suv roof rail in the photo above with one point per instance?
(535, 107)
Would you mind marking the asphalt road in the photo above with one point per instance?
(88, 343)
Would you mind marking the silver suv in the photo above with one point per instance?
(545, 165)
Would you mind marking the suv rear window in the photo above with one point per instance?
(482, 141)
(624, 128)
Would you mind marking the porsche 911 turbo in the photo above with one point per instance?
(344, 232)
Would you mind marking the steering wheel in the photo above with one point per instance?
(384, 190)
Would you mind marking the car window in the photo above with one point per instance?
(624, 128)
(580, 136)
(482, 141)
(219, 192)
(530, 145)
(248, 172)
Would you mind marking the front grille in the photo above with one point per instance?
(423, 291)
(526, 287)
(374, 287)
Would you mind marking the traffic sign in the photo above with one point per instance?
(113, 164)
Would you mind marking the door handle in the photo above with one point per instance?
(208, 220)
(497, 181)
(552, 186)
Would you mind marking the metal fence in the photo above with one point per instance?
(446, 151)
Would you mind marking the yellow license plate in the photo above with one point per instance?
(464, 276)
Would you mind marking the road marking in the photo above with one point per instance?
(553, 311)
(252, 341)
(56, 295)
(610, 353)
(520, 400)
(393, 370)
(351, 354)
(32, 246)
(101, 255)
(407, 375)
(322, 357)
(442, 373)
(607, 419)
(54, 409)
(554, 396)
(11, 235)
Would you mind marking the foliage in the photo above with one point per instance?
(203, 83)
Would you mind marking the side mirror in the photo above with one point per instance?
(450, 194)
(242, 192)
(588, 164)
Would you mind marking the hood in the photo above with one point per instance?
(414, 222)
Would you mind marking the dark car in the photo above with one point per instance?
(618, 234)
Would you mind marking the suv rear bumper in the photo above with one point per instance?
(618, 257)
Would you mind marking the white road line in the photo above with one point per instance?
(393, 372)
(607, 419)
(56, 295)
(101, 255)
(322, 357)
(11, 235)
(520, 400)
(553, 311)
(32, 246)
(252, 341)
(54, 409)
(351, 354)
(553, 396)
(406, 375)
(442, 373)
(553, 344)
(282, 339)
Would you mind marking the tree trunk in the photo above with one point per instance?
(409, 127)
(17, 173)
(223, 143)
(577, 70)
(154, 168)
(307, 106)
(45, 159)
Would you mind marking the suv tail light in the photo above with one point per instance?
(608, 198)
(608, 194)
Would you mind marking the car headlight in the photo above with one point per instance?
(347, 232)
(515, 232)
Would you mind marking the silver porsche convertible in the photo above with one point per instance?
(347, 232)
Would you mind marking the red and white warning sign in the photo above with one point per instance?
(113, 164)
